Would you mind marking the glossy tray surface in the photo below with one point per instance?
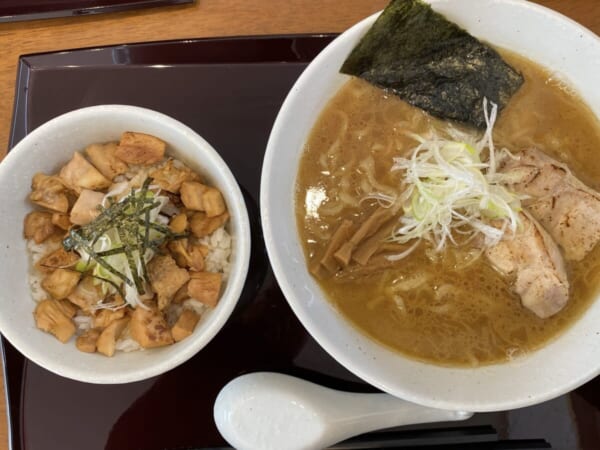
(229, 91)
(15, 10)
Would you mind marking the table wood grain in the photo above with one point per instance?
(205, 18)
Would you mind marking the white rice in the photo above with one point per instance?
(195, 305)
(126, 343)
(219, 246)
(37, 292)
(36, 252)
(82, 322)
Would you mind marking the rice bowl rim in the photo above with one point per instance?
(15, 177)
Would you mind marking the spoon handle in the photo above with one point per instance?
(361, 413)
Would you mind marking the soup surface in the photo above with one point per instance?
(446, 308)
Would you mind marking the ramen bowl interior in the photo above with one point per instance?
(46, 149)
(571, 53)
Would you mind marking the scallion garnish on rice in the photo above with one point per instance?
(117, 244)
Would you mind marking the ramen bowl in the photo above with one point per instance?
(572, 53)
(48, 148)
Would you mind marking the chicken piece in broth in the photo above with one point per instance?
(566, 207)
(533, 259)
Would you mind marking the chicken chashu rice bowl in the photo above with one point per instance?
(465, 240)
(129, 247)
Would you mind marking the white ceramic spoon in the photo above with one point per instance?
(263, 410)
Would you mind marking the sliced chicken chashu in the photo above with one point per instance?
(534, 260)
(566, 207)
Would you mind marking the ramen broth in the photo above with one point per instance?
(442, 308)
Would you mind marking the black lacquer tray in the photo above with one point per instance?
(16, 10)
(229, 91)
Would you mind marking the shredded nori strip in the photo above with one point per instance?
(131, 219)
(432, 63)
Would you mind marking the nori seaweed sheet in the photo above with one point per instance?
(432, 64)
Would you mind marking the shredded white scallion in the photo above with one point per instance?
(452, 186)
(111, 240)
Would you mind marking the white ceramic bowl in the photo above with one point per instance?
(533, 31)
(46, 149)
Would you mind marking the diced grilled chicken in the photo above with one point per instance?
(198, 197)
(80, 174)
(201, 225)
(38, 226)
(181, 295)
(149, 328)
(191, 195)
(86, 294)
(171, 175)
(213, 202)
(197, 254)
(49, 192)
(58, 259)
(51, 316)
(87, 207)
(107, 341)
(140, 148)
(68, 308)
(179, 252)
(103, 157)
(179, 223)
(166, 278)
(60, 283)
(87, 341)
(188, 256)
(567, 208)
(105, 317)
(205, 287)
(61, 220)
(185, 325)
(533, 259)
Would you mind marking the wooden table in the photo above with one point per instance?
(205, 18)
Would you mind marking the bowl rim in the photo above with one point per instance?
(276, 256)
(239, 263)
